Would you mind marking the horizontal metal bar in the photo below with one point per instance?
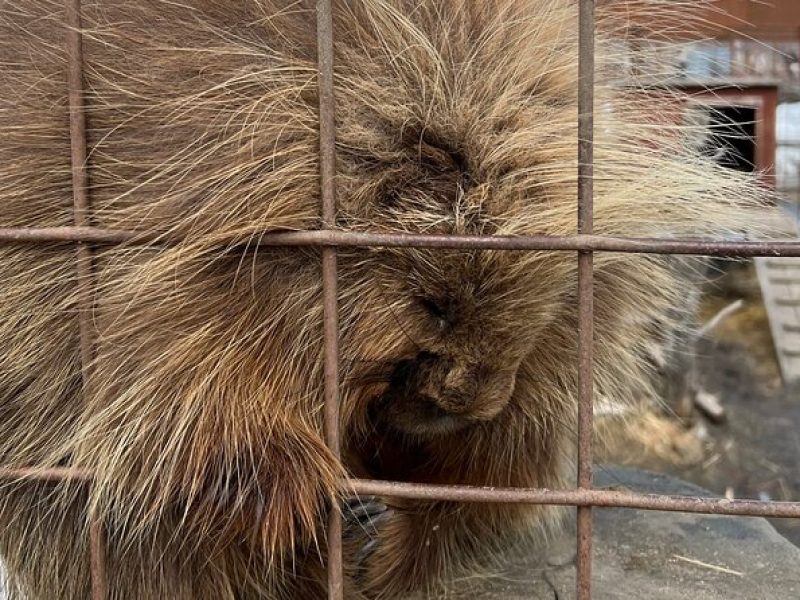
(45, 474)
(576, 497)
(329, 238)
(96, 235)
(464, 493)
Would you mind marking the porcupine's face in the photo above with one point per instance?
(450, 137)
(448, 329)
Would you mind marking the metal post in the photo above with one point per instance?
(585, 290)
(77, 131)
(327, 155)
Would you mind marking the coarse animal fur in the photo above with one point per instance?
(203, 427)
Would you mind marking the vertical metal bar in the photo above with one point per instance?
(327, 138)
(77, 131)
(97, 550)
(585, 289)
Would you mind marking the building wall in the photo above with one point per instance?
(767, 20)
(771, 20)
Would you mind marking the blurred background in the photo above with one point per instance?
(728, 412)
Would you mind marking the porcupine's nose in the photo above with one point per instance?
(467, 388)
(460, 383)
(434, 394)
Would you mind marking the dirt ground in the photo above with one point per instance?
(754, 451)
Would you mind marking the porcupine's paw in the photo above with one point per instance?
(363, 517)
(385, 559)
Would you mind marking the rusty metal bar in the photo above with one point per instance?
(355, 239)
(77, 133)
(45, 474)
(97, 551)
(464, 493)
(586, 43)
(575, 497)
(327, 167)
(92, 235)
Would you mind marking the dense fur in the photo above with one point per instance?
(204, 423)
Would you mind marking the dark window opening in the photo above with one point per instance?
(732, 137)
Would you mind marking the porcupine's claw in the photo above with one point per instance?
(362, 518)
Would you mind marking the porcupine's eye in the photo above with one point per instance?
(431, 168)
(443, 311)
(438, 157)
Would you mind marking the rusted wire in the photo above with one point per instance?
(585, 291)
(45, 474)
(98, 565)
(464, 493)
(576, 497)
(356, 239)
(327, 167)
(85, 294)
(77, 133)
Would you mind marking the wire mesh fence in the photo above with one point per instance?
(584, 244)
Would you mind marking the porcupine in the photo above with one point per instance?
(203, 428)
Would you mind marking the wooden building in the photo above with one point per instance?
(739, 57)
(769, 21)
